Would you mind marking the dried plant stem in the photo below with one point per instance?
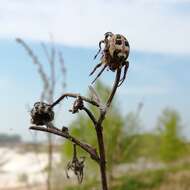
(99, 133)
(102, 163)
(99, 158)
(88, 148)
(74, 95)
(91, 116)
(115, 86)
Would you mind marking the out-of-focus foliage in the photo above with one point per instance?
(146, 180)
(131, 140)
(144, 146)
(126, 142)
(175, 177)
(172, 145)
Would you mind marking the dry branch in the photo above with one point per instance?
(88, 148)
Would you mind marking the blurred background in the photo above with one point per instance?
(147, 129)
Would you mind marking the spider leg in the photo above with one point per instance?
(108, 34)
(99, 73)
(102, 41)
(125, 73)
(97, 66)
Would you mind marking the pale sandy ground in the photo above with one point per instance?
(15, 166)
(24, 170)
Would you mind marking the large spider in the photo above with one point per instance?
(114, 54)
(76, 165)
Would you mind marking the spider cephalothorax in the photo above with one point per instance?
(114, 55)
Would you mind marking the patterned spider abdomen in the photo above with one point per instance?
(119, 47)
(41, 113)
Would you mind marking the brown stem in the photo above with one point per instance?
(104, 111)
(99, 132)
(102, 162)
(91, 116)
(72, 95)
(117, 79)
(88, 148)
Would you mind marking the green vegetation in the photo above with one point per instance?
(126, 143)
(172, 147)
(169, 178)
(146, 180)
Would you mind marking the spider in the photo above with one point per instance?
(76, 165)
(114, 54)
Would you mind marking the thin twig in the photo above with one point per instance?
(62, 65)
(36, 61)
(91, 116)
(88, 148)
(52, 66)
(117, 79)
(104, 111)
(45, 49)
(94, 95)
(72, 95)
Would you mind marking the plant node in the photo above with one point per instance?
(77, 105)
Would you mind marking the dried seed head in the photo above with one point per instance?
(65, 129)
(76, 165)
(41, 113)
(77, 105)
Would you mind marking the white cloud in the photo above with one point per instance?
(149, 25)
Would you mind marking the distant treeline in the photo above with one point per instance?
(9, 139)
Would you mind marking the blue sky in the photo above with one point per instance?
(158, 32)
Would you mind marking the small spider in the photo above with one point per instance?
(114, 54)
(76, 165)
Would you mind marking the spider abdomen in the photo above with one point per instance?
(119, 47)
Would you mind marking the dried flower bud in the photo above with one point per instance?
(65, 129)
(41, 113)
(77, 105)
(76, 165)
